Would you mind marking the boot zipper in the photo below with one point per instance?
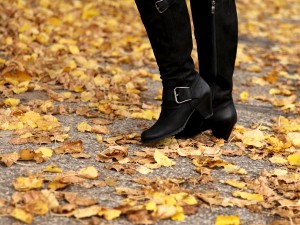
(215, 68)
(213, 10)
(213, 6)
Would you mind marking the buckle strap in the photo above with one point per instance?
(178, 94)
(163, 5)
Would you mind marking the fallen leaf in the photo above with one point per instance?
(87, 212)
(88, 172)
(237, 184)
(70, 147)
(163, 160)
(22, 215)
(9, 158)
(143, 170)
(294, 159)
(110, 214)
(84, 127)
(244, 96)
(27, 183)
(248, 196)
(53, 169)
(254, 138)
(227, 220)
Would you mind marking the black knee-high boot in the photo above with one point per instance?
(167, 24)
(216, 33)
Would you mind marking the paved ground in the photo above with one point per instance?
(252, 112)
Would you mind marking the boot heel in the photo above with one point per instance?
(224, 120)
(222, 130)
(205, 107)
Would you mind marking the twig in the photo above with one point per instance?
(23, 164)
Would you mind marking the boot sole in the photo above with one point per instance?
(173, 133)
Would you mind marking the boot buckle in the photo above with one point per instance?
(158, 5)
(163, 5)
(176, 95)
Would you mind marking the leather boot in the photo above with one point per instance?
(216, 33)
(167, 24)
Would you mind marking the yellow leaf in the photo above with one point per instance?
(228, 220)
(89, 12)
(46, 152)
(99, 138)
(88, 172)
(254, 68)
(244, 96)
(178, 217)
(151, 206)
(57, 47)
(27, 183)
(164, 211)
(254, 138)
(86, 96)
(16, 77)
(37, 206)
(51, 199)
(278, 160)
(143, 170)
(169, 200)
(56, 185)
(26, 154)
(110, 214)
(295, 138)
(190, 200)
(249, 196)
(74, 49)
(22, 215)
(234, 169)
(294, 159)
(235, 183)
(87, 212)
(12, 101)
(163, 160)
(53, 169)
(83, 127)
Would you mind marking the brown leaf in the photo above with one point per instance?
(76, 199)
(9, 158)
(113, 152)
(70, 147)
(100, 129)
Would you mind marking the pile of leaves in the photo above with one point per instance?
(91, 59)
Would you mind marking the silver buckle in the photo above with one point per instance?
(157, 6)
(175, 95)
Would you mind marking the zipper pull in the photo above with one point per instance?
(213, 6)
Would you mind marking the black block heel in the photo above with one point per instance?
(222, 130)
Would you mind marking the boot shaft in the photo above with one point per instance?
(169, 32)
(216, 33)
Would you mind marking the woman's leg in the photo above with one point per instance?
(167, 24)
(216, 33)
